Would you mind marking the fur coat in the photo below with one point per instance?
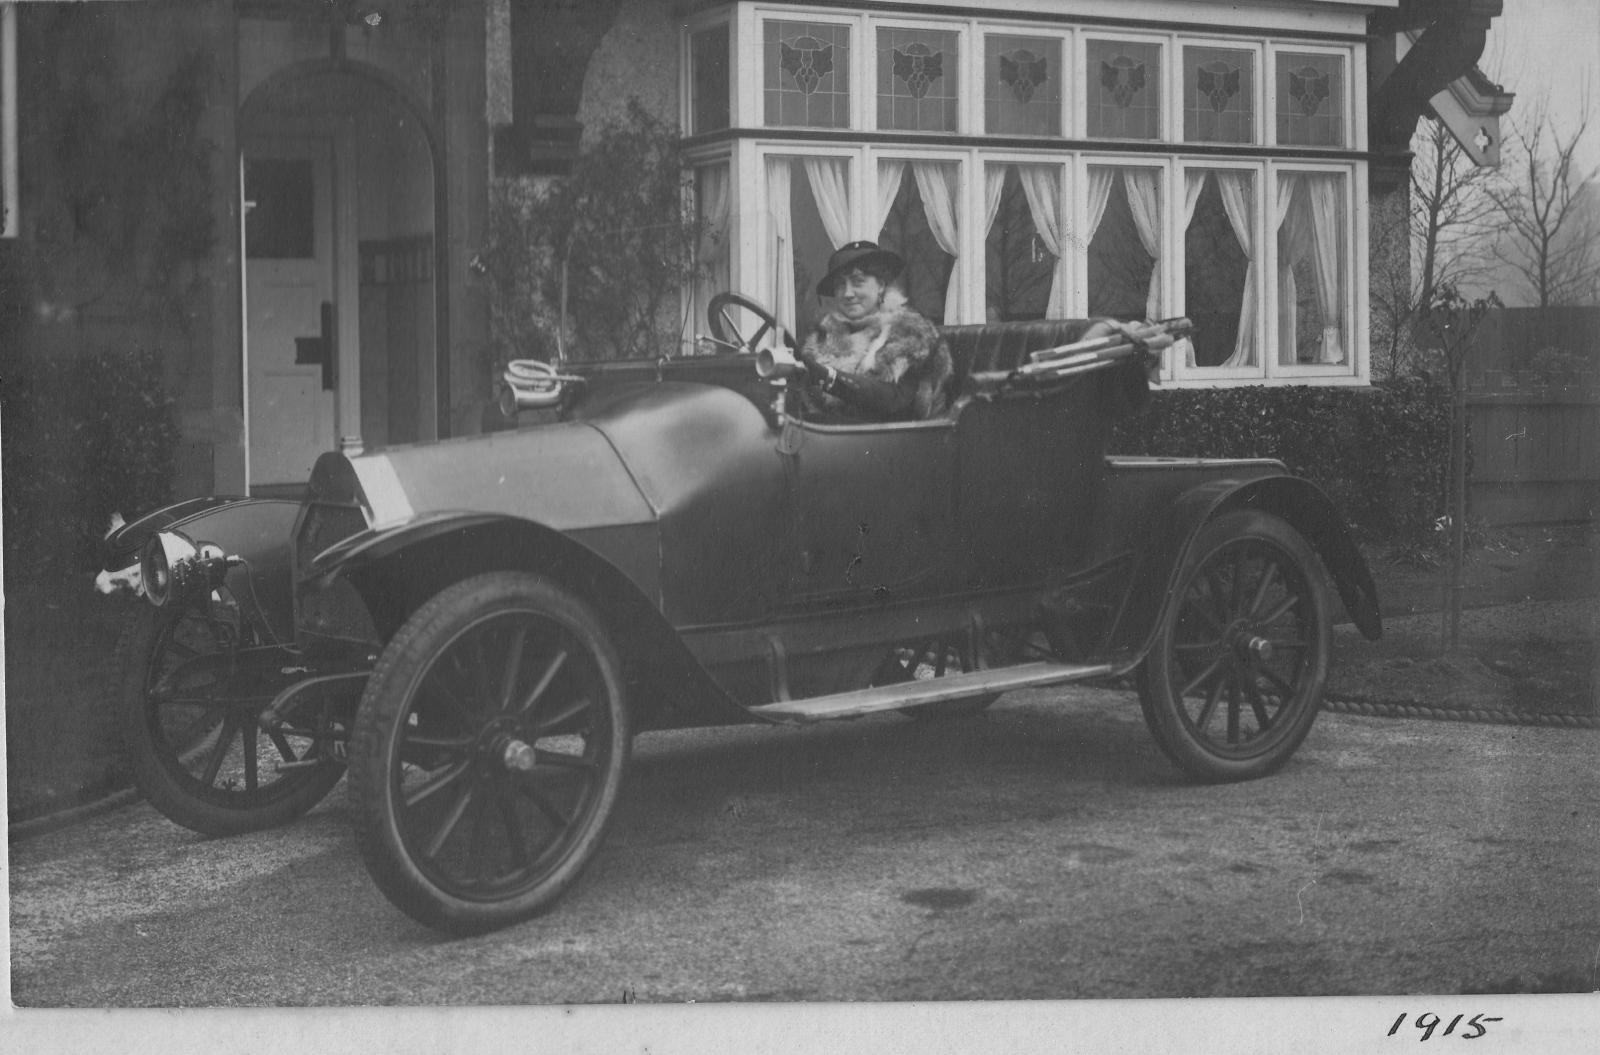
(893, 345)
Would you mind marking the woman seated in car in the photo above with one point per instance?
(873, 357)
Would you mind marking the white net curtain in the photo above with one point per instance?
(1237, 190)
(713, 255)
(1143, 189)
(1041, 185)
(829, 181)
(1309, 220)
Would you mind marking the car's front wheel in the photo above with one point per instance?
(1234, 678)
(191, 720)
(489, 752)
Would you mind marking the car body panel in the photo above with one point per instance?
(753, 557)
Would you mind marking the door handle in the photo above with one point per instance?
(323, 349)
(330, 346)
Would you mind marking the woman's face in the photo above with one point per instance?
(859, 294)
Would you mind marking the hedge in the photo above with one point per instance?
(1381, 453)
(83, 438)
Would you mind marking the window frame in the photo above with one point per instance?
(758, 17)
(964, 68)
(1066, 169)
(962, 158)
(1275, 49)
(1080, 264)
(755, 237)
(1066, 39)
(690, 27)
(1357, 364)
(1176, 368)
(1165, 44)
(1257, 48)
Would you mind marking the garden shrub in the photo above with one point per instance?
(1381, 453)
(83, 438)
(618, 219)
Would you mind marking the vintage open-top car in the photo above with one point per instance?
(478, 627)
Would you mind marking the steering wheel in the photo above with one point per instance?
(725, 331)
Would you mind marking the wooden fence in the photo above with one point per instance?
(1533, 383)
(1535, 454)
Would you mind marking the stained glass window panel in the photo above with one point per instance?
(1022, 85)
(1311, 97)
(1219, 92)
(806, 81)
(918, 79)
(1122, 89)
(709, 55)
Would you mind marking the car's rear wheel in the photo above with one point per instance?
(191, 722)
(1234, 678)
(489, 752)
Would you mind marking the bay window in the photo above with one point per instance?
(1031, 168)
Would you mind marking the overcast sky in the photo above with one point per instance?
(1550, 48)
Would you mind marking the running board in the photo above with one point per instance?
(931, 690)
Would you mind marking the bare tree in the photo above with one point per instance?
(1548, 234)
(1443, 242)
(1451, 211)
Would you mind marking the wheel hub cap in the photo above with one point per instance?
(518, 756)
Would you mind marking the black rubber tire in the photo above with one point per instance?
(439, 715)
(189, 755)
(1202, 663)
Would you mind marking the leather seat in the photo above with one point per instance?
(1003, 346)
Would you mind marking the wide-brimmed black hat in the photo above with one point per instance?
(865, 255)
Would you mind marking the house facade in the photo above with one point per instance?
(1030, 159)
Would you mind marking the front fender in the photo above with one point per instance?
(396, 569)
(255, 529)
(1306, 508)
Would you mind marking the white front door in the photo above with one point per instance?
(292, 306)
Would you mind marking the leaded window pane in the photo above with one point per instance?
(1310, 93)
(1218, 280)
(1219, 92)
(1019, 267)
(1312, 270)
(709, 59)
(1123, 90)
(806, 81)
(908, 230)
(918, 79)
(1022, 85)
(1125, 245)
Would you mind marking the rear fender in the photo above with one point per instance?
(396, 570)
(257, 530)
(1299, 502)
